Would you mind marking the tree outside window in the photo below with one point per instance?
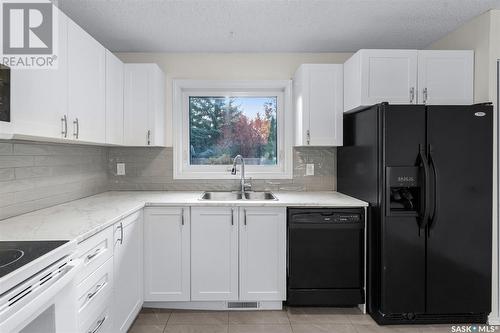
(223, 127)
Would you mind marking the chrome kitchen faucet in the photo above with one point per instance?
(242, 176)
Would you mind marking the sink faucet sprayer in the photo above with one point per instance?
(242, 177)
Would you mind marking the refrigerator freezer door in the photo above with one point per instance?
(459, 236)
(402, 241)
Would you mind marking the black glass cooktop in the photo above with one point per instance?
(15, 254)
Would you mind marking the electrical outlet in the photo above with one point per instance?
(120, 169)
(309, 169)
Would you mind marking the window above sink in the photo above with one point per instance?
(216, 120)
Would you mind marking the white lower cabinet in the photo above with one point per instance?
(94, 294)
(128, 270)
(180, 254)
(262, 254)
(166, 254)
(214, 254)
(238, 254)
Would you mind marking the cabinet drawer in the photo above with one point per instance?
(94, 252)
(94, 291)
(99, 322)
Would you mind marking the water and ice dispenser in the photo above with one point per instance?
(404, 191)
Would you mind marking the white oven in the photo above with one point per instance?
(44, 302)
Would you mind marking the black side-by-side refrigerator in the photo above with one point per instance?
(427, 172)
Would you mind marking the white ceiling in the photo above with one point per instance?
(270, 25)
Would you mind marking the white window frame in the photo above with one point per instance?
(182, 89)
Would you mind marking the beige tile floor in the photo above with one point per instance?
(291, 320)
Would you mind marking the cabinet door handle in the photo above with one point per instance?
(121, 232)
(98, 326)
(149, 137)
(412, 94)
(232, 216)
(308, 135)
(244, 217)
(424, 93)
(76, 132)
(91, 256)
(96, 290)
(64, 123)
(182, 217)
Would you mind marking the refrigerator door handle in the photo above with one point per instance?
(424, 216)
(434, 216)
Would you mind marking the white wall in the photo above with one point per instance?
(482, 34)
(219, 66)
(473, 35)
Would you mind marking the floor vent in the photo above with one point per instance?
(242, 305)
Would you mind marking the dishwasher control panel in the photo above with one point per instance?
(321, 215)
(347, 218)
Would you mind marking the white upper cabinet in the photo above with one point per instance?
(318, 99)
(86, 85)
(374, 76)
(445, 77)
(114, 99)
(436, 77)
(214, 254)
(144, 123)
(39, 97)
(167, 254)
(263, 254)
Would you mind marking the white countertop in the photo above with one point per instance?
(80, 219)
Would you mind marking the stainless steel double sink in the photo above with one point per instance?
(232, 196)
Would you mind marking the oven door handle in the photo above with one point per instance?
(17, 320)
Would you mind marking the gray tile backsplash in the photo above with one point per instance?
(36, 175)
(152, 169)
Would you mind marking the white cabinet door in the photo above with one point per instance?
(137, 105)
(389, 76)
(446, 77)
(114, 99)
(262, 254)
(86, 85)
(214, 254)
(144, 123)
(128, 268)
(166, 254)
(39, 96)
(375, 76)
(325, 105)
(318, 91)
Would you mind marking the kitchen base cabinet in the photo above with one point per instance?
(214, 254)
(166, 254)
(262, 254)
(128, 268)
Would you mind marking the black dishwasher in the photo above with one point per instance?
(325, 256)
